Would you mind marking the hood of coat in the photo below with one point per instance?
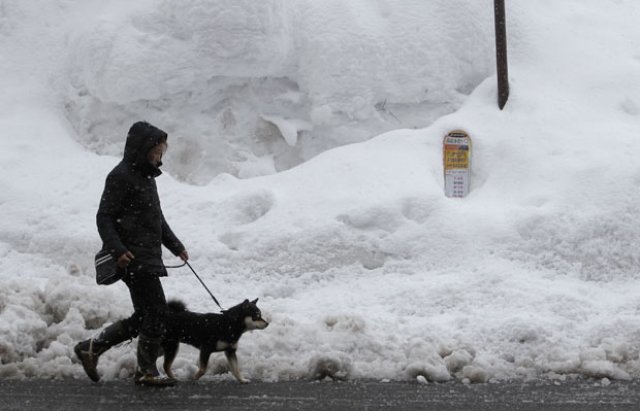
(143, 137)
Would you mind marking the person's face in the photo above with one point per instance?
(155, 154)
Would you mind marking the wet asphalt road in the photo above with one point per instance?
(83, 395)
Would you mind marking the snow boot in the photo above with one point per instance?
(147, 373)
(88, 351)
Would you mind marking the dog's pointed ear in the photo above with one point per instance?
(245, 302)
(254, 301)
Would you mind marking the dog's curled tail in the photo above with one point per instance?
(176, 306)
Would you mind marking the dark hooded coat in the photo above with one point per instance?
(129, 216)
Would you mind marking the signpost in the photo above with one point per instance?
(457, 163)
(501, 52)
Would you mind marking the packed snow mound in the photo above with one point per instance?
(213, 73)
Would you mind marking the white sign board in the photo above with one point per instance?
(456, 149)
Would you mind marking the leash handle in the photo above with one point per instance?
(175, 266)
(203, 284)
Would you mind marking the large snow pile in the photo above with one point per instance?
(253, 87)
(363, 267)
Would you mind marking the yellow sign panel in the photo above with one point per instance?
(457, 163)
(456, 159)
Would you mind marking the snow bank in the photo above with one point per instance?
(212, 72)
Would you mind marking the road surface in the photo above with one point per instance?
(70, 395)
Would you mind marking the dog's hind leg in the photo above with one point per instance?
(202, 364)
(233, 365)
(170, 349)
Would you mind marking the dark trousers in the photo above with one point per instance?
(149, 304)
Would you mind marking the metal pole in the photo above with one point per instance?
(501, 53)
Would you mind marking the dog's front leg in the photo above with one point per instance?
(233, 365)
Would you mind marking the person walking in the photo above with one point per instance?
(133, 228)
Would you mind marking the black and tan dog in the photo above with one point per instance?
(209, 333)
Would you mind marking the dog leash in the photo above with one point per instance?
(174, 266)
(203, 284)
(199, 279)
